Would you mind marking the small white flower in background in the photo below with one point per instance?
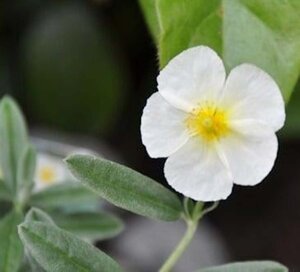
(50, 170)
(214, 131)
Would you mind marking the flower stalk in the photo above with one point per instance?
(181, 247)
(192, 217)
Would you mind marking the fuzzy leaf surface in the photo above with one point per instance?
(125, 187)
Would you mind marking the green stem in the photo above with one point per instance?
(181, 247)
(197, 212)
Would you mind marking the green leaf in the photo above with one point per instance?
(13, 140)
(251, 266)
(64, 194)
(265, 33)
(152, 17)
(92, 226)
(34, 266)
(11, 249)
(125, 187)
(35, 214)
(89, 225)
(57, 250)
(26, 171)
(4, 193)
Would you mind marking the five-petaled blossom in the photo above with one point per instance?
(215, 132)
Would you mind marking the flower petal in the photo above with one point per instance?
(251, 128)
(196, 171)
(250, 152)
(252, 93)
(194, 75)
(162, 128)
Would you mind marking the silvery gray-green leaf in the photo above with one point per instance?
(125, 187)
(265, 33)
(251, 266)
(26, 171)
(13, 140)
(33, 264)
(11, 249)
(35, 214)
(64, 194)
(57, 250)
(93, 226)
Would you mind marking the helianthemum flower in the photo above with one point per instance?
(49, 171)
(215, 132)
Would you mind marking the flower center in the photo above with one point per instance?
(209, 122)
(47, 175)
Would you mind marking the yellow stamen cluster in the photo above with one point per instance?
(209, 122)
(47, 174)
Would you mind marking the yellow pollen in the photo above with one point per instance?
(47, 175)
(208, 122)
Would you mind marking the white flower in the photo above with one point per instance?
(49, 171)
(214, 132)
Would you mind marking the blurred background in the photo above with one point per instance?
(82, 71)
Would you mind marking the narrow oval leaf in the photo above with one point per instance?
(92, 226)
(11, 249)
(57, 250)
(25, 172)
(35, 214)
(64, 194)
(265, 33)
(251, 266)
(34, 266)
(88, 225)
(13, 140)
(125, 187)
